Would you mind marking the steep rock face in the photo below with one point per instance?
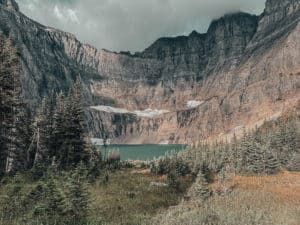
(10, 4)
(277, 18)
(244, 70)
(46, 66)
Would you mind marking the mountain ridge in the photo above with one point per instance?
(233, 66)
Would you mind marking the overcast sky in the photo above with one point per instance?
(132, 24)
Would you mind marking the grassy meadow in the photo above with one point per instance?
(126, 198)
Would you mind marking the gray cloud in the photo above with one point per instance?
(132, 24)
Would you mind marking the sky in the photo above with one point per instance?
(132, 25)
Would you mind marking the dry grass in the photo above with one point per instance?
(285, 185)
(251, 200)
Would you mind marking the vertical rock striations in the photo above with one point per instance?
(243, 70)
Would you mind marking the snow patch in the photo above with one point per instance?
(110, 109)
(98, 141)
(275, 116)
(149, 113)
(166, 142)
(194, 104)
(236, 129)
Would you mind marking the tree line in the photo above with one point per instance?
(49, 150)
(54, 137)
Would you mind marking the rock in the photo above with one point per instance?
(10, 4)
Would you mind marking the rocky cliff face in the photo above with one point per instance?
(244, 70)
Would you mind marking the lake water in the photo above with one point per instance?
(143, 152)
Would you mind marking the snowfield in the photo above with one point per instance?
(194, 104)
(149, 113)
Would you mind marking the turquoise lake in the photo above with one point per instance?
(143, 152)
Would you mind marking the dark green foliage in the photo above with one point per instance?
(60, 199)
(77, 196)
(13, 134)
(173, 181)
(266, 150)
(12, 205)
(200, 187)
(169, 163)
(95, 168)
(70, 147)
(59, 135)
(294, 163)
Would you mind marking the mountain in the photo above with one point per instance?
(244, 70)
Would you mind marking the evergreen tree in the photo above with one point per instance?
(200, 187)
(71, 147)
(54, 200)
(253, 156)
(79, 153)
(173, 181)
(59, 128)
(294, 163)
(77, 197)
(12, 111)
(270, 161)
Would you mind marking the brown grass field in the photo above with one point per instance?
(242, 200)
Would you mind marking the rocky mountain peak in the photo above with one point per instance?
(278, 18)
(282, 5)
(10, 4)
(243, 63)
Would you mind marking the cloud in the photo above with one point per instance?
(66, 15)
(132, 24)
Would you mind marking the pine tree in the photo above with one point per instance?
(270, 161)
(79, 153)
(281, 145)
(77, 198)
(54, 207)
(254, 163)
(294, 163)
(200, 187)
(13, 145)
(59, 127)
(69, 132)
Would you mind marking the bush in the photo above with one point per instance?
(168, 164)
(173, 181)
(55, 199)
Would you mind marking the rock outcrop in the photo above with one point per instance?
(243, 70)
(10, 4)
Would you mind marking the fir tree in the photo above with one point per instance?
(59, 128)
(270, 161)
(253, 156)
(12, 111)
(77, 197)
(200, 187)
(71, 147)
(173, 181)
(79, 153)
